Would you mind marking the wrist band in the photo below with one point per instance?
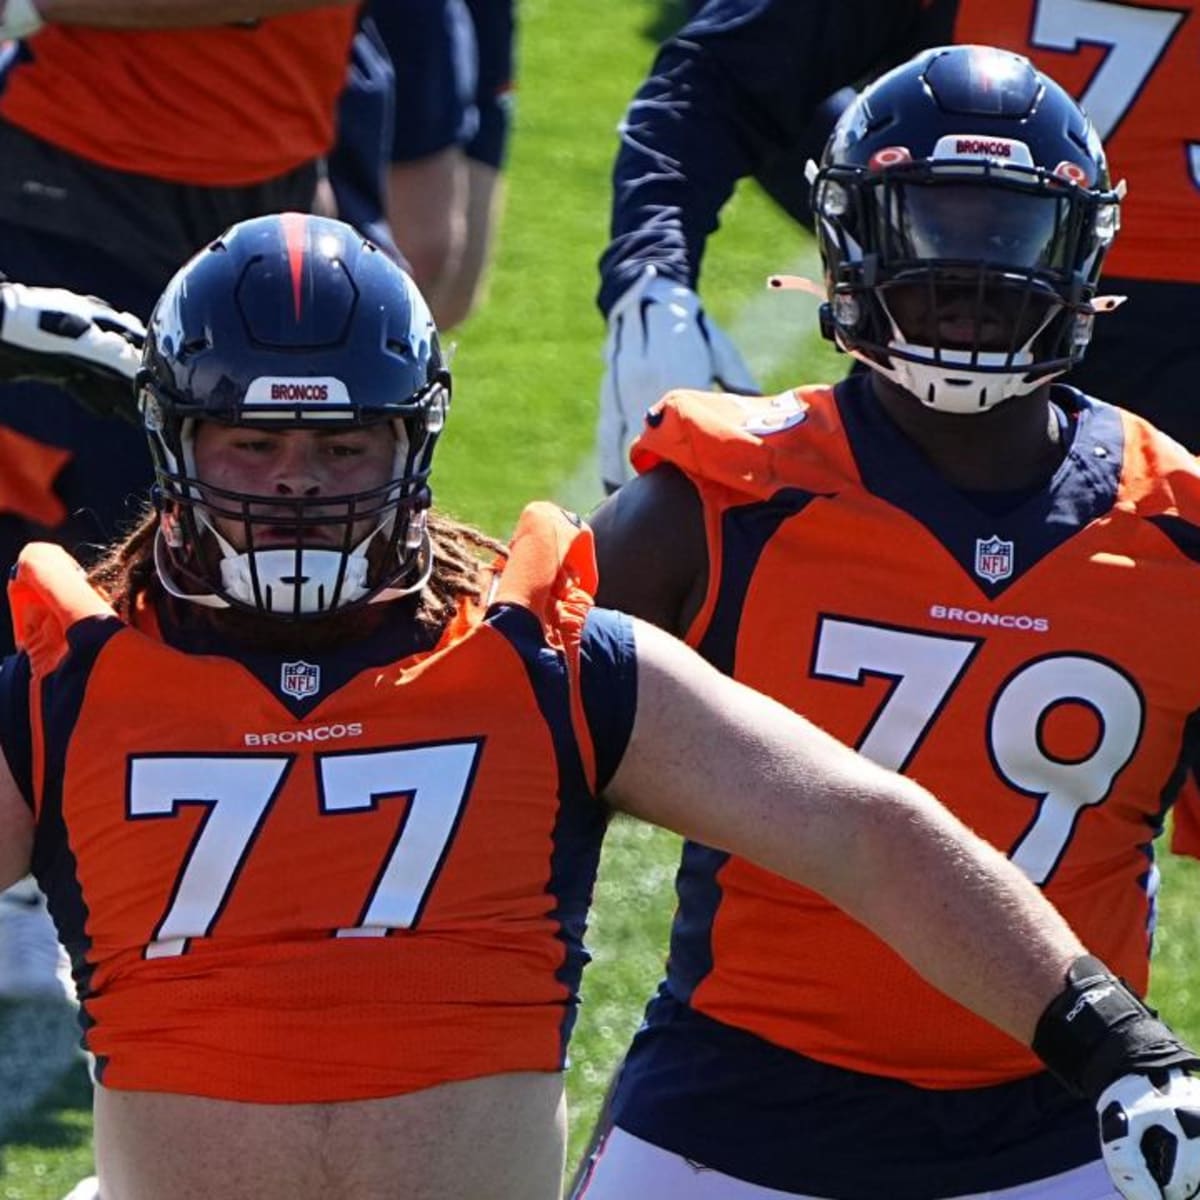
(1097, 1030)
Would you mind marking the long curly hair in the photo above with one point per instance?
(462, 556)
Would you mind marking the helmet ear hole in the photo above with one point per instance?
(292, 322)
(963, 212)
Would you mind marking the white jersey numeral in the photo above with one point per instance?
(437, 778)
(925, 669)
(1063, 789)
(238, 792)
(1136, 36)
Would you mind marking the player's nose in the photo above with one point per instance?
(296, 469)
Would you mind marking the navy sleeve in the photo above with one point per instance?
(495, 34)
(16, 739)
(740, 85)
(609, 686)
(358, 159)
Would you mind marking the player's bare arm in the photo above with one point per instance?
(651, 550)
(160, 14)
(730, 768)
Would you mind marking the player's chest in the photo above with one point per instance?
(402, 792)
(1062, 678)
(298, 746)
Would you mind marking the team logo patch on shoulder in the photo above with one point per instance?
(771, 414)
(299, 679)
(993, 558)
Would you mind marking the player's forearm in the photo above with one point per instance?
(954, 908)
(166, 14)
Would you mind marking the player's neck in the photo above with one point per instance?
(273, 635)
(1018, 444)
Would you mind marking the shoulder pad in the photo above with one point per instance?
(752, 444)
(1159, 476)
(48, 593)
(551, 562)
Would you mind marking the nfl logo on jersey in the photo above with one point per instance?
(299, 679)
(993, 558)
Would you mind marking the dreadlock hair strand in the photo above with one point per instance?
(463, 557)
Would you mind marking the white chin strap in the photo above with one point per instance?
(281, 594)
(953, 381)
(959, 381)
(276, 570)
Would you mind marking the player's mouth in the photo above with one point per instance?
(286, 537)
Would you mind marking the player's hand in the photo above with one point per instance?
(76, 342)
(659, 338)
(19, 19)
(1150, 1135)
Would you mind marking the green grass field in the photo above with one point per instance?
(527, 368)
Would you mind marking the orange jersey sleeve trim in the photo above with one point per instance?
(738, 449)
(47, 594)
(755, 445)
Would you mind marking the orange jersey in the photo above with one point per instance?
(215, 106)
(1031, 668)
(1135, 66)
(321, 880)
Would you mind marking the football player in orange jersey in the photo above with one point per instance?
(316, 792)
(970, 573)
(132, 133)
(753, 87)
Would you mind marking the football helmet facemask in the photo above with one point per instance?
(963, 210)
(292, 322)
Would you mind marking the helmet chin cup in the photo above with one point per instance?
(302, 582)
(958, 389)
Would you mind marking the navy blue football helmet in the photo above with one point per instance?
(963, 209)
(292, 322)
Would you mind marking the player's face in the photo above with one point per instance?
(988, 239)
(294, 464)
(958, 315)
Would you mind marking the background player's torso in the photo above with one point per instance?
(1023, 667)
(218, 106)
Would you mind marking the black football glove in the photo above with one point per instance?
(1104, 1043)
